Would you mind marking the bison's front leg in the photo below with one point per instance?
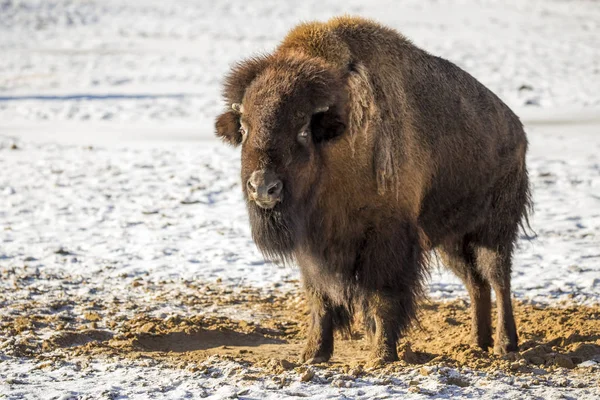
(393, 283)
(387, 322)
(319, 346)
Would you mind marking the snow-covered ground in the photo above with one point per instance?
(176, 211)
(109, 173)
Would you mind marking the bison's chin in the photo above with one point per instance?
(274, 231)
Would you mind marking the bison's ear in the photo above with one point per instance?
(228, 127)
(326, 124)
(234, 87)
(241, 76)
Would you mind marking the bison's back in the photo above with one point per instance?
(476, 146)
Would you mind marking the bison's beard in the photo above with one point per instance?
(274, 231)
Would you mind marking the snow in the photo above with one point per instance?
(106, 381)
(116, 175)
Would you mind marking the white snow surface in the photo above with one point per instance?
(110, 105)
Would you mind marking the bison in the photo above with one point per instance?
(362, 155)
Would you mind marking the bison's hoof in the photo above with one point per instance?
(314, 357)
(375, 363)
(316, 360)
(482, 345)
(483, 341)
(378, 361)
(504, 349)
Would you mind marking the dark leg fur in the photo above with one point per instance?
(496, 265)
(483, 259)
(319, 346)
(392, 288)
(388, 315)
(493, 248)
(388, 320)
(459, 258)
(386, 283)
(325, 318)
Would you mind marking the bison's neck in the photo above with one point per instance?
(335, 224)
(345, 216)
(343, 203)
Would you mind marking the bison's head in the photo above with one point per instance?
(284, 112)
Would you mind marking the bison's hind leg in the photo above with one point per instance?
(493, 245)
(495, 263)
(324, 319)
(483, 264)
(459, 257)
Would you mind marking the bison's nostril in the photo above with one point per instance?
(274, 188)
(264, 188)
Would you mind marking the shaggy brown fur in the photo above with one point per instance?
(401, 152)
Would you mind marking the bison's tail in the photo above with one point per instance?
(527, 211)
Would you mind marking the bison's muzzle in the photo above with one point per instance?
(264, 188)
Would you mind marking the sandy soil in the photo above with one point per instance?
(560, 345)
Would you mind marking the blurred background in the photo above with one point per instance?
(115, 67)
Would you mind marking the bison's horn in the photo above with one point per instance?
(237, 107)
(321, 109)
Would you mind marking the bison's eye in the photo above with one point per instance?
(243, 131)
(303, 136)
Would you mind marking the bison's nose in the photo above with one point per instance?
(264, 188)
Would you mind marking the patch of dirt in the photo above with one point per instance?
(550, 337)
(71, 339)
